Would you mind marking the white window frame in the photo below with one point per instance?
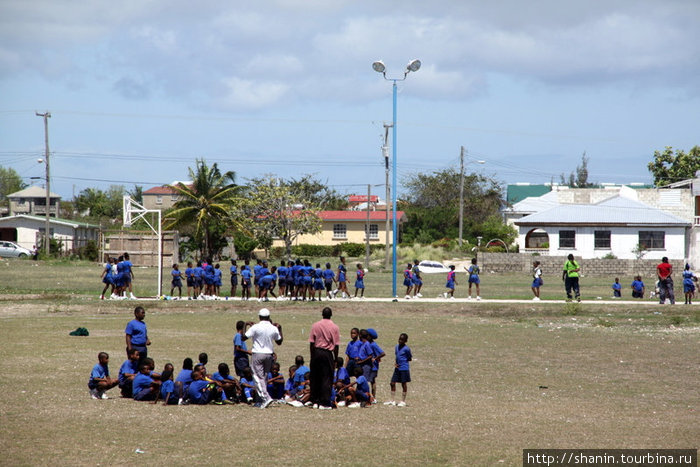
(340, 231)
(373, 231)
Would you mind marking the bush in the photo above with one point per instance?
(88, 252)
(609, 256)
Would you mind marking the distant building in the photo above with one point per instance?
(27, 231)
(160, 197)
(32, 201)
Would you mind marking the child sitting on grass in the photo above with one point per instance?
(145, 388)
(248, 385)
(127, 372)
(100, 382)
(359, 391)
(229, 385)
(275, 382)
(201, 391)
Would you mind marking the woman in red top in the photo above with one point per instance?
(664, 271)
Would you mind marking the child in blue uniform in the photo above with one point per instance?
(360, 281)
(328, 280)
(241, 354)
(107, 278)
(689, 280)
(167, 388)
(408, 279)
(189, 275)
(318, 282)
(230, 387)
(451, 282)
(176, 281)
(617, 288)
(402, 372)
(360, 392)
(234, 277)
(473, 273)
(201, 391)
(275, 382)
(342, 279)
(248, 385)
(99, 381)
(637, 287)
(184, 378)
(377, 355)
(128, 275)
(217, 280)
(245, 281)
(127, 372)
(352, 349)
(145, 388)
(197, 274)
(417, 279)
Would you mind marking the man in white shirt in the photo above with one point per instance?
(264, 335)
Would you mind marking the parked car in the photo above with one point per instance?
(12, 250)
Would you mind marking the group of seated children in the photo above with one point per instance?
(194, 385)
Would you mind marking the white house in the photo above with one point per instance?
(27, 230)
(613, 226)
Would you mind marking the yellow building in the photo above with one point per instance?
(349, 226)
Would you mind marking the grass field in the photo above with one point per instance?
(489, 378)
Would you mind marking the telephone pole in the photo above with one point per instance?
(461, 194)
(46, 115)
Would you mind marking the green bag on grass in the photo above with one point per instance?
(79, 332)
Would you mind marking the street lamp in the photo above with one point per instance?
(379, 67)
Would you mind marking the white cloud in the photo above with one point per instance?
(243, 94)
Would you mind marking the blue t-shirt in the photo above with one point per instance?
(245, 274)
(141, 382)
(137, 330)
(238, 341)
(289, 387)
(328, 275)
(195, 391)
(184, 377)
(189, 273)
(219, 377)
(176, 273)
(167, 387)
(637, 285)
(98, 371)
(376, 352)
(364, 350)
(234, 271)
(617, 286)
(197, 272)
(362, 384)
(128, 367)
(126, 264)
(353, 348)
(403, 356)
(300, 373)
(342, 375)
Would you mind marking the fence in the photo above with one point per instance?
(142, 247)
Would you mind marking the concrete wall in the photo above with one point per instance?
(552, 265)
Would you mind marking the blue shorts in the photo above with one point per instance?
(176, 282)
(318, 285)
(373, 376)
(688, 287)
(537, 283)
(407, 282)
(417, 282)
(450, 285)
(474, 279)
(234, 280)
(190, 282)
(401, 376)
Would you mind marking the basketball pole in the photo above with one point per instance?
(131, 207)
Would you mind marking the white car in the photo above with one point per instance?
(12, 250)
(432, 267)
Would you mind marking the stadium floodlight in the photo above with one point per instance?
(379, 67)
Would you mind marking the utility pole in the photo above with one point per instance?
(385, 152)
(369, 193)
(46, 115)
(461, 194)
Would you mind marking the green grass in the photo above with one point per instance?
(618, 376)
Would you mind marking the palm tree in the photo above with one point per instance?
(205, 204)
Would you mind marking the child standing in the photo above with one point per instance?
(402, 371)
(177, 280)
(417, 280)
(473, 273)
(408, 279)
(536, 280)
(234, 277)
(617, 288)
(637, 287)
(241, 359)
(451, 282)
(360, 281)
(245, 281)
(688, 284)
(100, 382)
(189, 277)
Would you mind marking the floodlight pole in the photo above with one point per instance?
(131, 207)
(379, 67)
(47, 235)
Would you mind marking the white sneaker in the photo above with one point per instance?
(103, 396)
(132, 296)
(390, 403)
(295, 404)
(315, 406)
(94, 394)
(408, 297)
(419, 295)
(401, 404)
(536, 298)
(266, 403)
(445, 295)
(469, 297)
(341, 404)
(452, 297)
(355, 405)
(324, 407)
(308, 404)
(478, 298)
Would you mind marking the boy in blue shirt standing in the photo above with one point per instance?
(241, 359)
(100, 382)
(402, 373)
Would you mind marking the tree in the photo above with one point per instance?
(205, 206)
(10, 182)
(579, 179)
(137, 194)
(317, 194)
(279, 211)
(432, 205)
(93, 202)
(669, 167)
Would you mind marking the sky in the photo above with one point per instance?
(140, 89)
